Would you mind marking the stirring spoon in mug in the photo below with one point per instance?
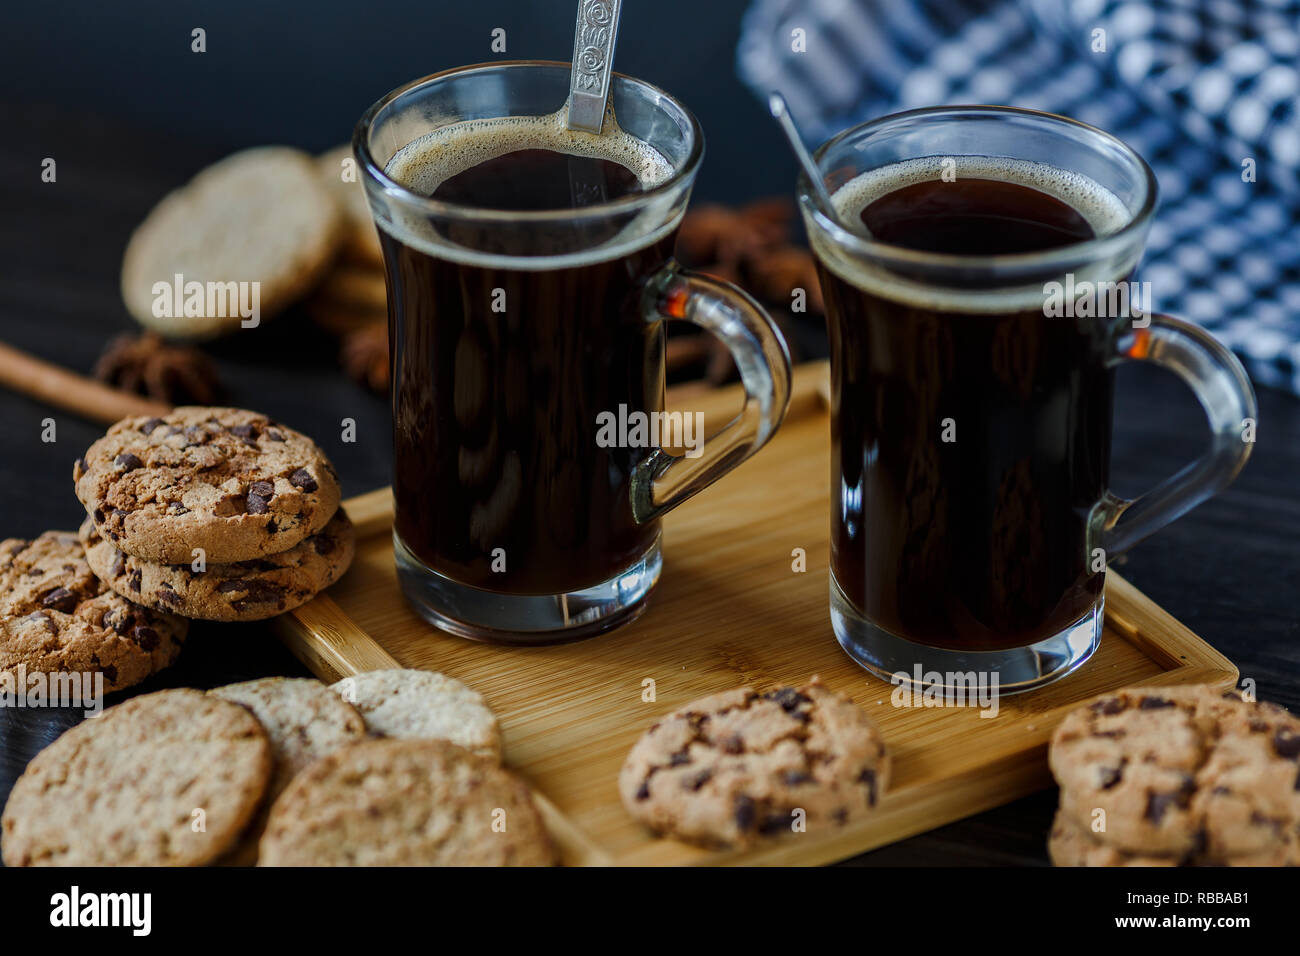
(777, 104)
(593, 57)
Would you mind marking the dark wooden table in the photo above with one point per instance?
(1230, 570)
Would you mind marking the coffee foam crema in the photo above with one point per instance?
(1103, 210)
(425, 163)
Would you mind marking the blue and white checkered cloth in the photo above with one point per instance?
(1206, 90)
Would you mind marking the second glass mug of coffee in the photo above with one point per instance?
(974, 331)
(511, 332)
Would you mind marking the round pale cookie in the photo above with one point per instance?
(415, 704)
(243, 591)
(57, 617)
(1190, 772)
(304, 721)
(259, 216)
(405, 803)
(234, 483)
(124, 789)
(736, 767)
(362, 242)
(302, 718)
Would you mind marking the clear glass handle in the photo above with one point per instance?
(663, 481)
(1217, 379)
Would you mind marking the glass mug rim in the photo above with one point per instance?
(441, 208)
(1059, 258)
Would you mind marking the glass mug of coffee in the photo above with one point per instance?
(976, 270)
(530, 273)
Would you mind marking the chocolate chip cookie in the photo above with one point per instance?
(739, 766)
(165, 779)
(1193, 773)
(1071, 845)
(405, 803)
(56, 616)
(243, 591)
(232, 482)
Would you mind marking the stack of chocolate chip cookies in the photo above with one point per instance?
(1177, 776)
(213, 513)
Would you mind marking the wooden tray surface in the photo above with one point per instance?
(728, 611)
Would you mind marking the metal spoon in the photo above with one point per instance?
(777, 104)
(593, 57)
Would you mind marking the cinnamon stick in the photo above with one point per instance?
(65, 389)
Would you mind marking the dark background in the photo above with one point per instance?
(301, 73)
(114, 94)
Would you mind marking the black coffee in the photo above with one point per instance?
(532, 179)
(499, 375)
(973, 217)
(969, 444)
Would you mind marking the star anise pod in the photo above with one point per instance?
(364, 356)
(774, 274)
(750, 247)
(147, 365)
(721, 238)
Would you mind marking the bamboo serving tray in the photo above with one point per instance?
(729, 610)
